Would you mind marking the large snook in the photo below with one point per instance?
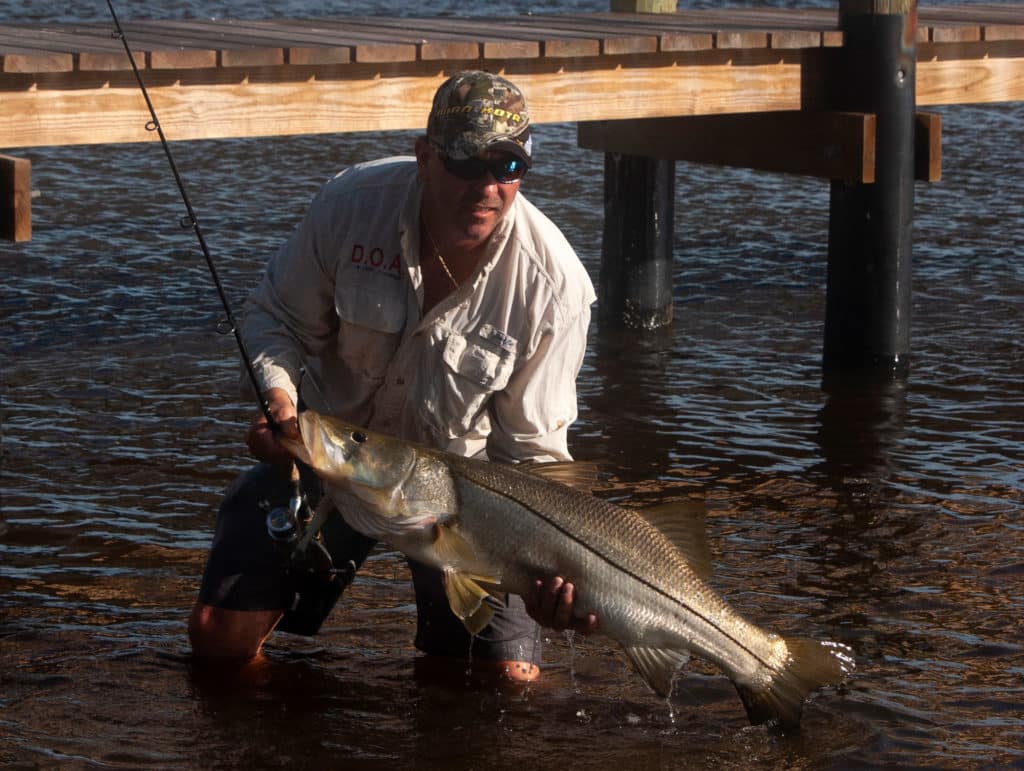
(491, 527)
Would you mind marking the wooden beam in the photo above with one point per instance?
(75, 107)
(927, 147)
(262, 106)
(15, 198)
(970, 73)
(16, 61)
(833, 145)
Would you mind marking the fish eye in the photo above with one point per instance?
(358, 437)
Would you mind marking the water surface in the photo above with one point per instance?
(887, 516)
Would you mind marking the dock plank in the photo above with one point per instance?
(242, 35)
(153, 51)
(19, 60)
(313, 33)
(232, 50)
(995, 32)
(613, 39)
(742, 30)
(495, 39)
(370, 40)
(973, 14)
(494, 42)
(88, 52)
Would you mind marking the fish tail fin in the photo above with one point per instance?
(809, 665)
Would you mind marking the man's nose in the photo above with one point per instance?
(485, 181)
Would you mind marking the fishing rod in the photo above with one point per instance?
(190, 221)
(293, 527)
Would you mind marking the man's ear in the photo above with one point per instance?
(423, 151)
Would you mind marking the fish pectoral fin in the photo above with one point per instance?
(682, 522)
(452, 551)
(463, 573)
(657, 666)
(466, 598)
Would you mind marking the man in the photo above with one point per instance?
(422, 298)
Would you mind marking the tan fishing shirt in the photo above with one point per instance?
(491, 367)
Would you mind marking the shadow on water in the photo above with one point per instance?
(859, 425)
(625, 399)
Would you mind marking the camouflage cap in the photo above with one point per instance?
(475, 111)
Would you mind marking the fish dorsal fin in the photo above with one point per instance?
(466, 599)
(580, 475)
(682, 522)
(657, 666)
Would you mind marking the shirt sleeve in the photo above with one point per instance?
(290, 316)
(530, 418)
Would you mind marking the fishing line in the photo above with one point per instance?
(295, 528)
(190, 221)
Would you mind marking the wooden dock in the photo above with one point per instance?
(831, 93)
(71, 84)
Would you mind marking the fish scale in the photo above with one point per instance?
(614, 544)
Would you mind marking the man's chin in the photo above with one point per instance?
(475, 231)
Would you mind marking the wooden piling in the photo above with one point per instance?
(635, 283)
(15, 198)
(867, 316)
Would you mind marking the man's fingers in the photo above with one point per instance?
(587, 624)
(282, 410)
(552, 597)
(563, 608)
(288, 426)
(263, 442)
(551, 605)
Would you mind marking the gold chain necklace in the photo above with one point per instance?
(440, 259)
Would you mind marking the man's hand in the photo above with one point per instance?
(552, 605)
(263, 442)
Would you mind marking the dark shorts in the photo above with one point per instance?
(247, 571)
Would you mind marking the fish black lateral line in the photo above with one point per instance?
(581, 539)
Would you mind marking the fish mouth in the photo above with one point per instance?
(339, 446)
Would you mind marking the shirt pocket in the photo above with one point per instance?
(370, 330)
(473, 372)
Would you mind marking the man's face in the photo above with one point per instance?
(460, 211)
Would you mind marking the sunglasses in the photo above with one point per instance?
(505, 170)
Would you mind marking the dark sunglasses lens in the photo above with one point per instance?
(470, 168)
(505, 170)
(508, 169)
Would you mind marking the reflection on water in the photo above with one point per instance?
(886, 515)
(861, 422)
